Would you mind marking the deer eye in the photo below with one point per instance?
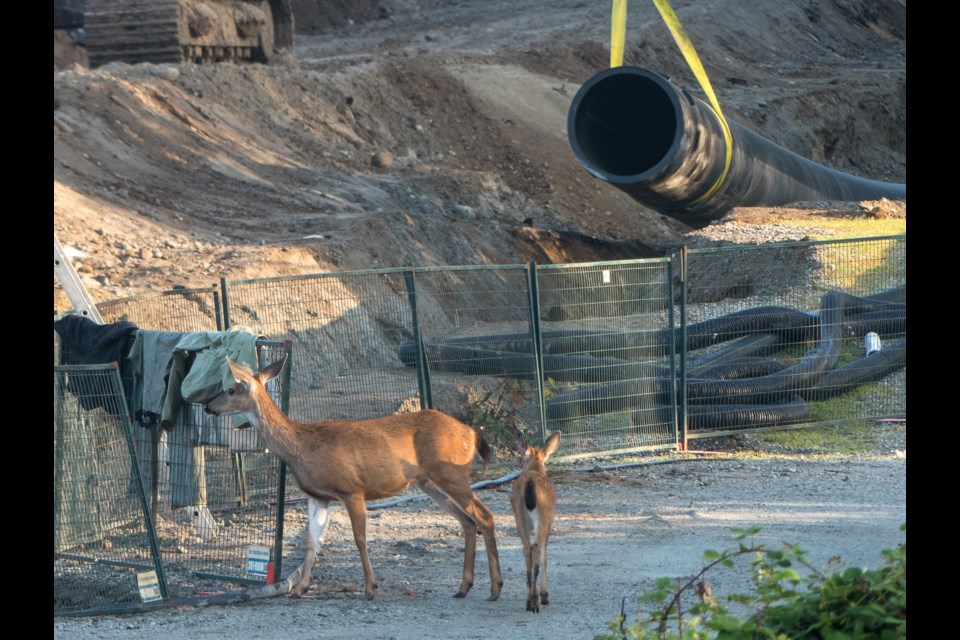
(231, 391)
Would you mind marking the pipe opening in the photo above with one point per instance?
(625, 125)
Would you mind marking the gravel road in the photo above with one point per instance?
(617, 531)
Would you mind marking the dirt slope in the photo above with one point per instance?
(434, 133)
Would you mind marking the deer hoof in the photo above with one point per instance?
(544, 599)
(460, 594)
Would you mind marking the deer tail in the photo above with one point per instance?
(530, 496)
(483, 449)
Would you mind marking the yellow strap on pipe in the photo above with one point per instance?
(618, 30)
(693, 60)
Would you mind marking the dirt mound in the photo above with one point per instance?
(433, 133)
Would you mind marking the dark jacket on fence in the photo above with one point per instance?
(83, 341)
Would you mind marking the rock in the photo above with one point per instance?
(382, 160)
(166, 72)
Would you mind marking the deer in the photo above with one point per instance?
(534, 502)
(352, 461)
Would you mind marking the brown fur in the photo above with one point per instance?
(534, 501)
(353, 461)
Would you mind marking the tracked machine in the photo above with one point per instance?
(197, 31)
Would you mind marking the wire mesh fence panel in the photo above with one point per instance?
(103, 537)
(346, 331)
(776, 335)
(619, 356)
(176, 310)
(608, 354)
(213, 494)
(475, 329)
(215, 491)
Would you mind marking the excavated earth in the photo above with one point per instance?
(434, 133)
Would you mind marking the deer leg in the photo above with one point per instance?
(469, 533)
(357, 509)
(533, 571)
(319, 517)
(484, 519)
(471, 513)
(544, 597)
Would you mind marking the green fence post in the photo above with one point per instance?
(287, 348)
(226, 306)
(423, 368)
(216, 305)
(672, 324)
(148, 514)
(681, 388)
(534, 295)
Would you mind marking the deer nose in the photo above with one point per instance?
(208, 410)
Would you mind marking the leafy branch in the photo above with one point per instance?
(853, 604)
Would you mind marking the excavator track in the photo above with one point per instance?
(198, 31)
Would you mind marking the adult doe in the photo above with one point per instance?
(353, 461)
(534, 501)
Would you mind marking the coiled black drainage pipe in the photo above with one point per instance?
(637, 130)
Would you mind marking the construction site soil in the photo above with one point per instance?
(434, 133)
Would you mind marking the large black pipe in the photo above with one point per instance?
(637, 130)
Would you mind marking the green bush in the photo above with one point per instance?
(496, 410)
(848, 604)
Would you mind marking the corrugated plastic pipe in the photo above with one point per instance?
(637, 130)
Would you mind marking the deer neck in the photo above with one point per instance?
(278, 431)
(534, 466)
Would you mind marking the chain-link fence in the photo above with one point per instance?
(620, 356)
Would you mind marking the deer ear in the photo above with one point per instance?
(552, 444)
(239, 372)
(272, 370)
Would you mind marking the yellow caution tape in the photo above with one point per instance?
(693, 60)
(618, 30)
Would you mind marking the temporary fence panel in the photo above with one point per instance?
(105, 552)
(789, 334)
(474, 344)
(607, 342)
(345, 330)
(217, 495)
(175, 310)
(213, 487)
(214, 494)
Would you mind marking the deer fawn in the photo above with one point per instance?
(354, 461)
(534, 500)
